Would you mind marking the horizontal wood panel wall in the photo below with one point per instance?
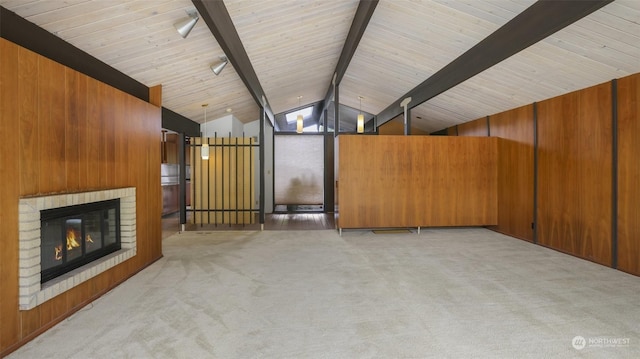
(515, 171)
(575, 173)
(629, 174)
(410, 181)
(65, 132)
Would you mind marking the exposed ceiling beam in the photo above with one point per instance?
(219, 21)
(358, 26)
(540, 20)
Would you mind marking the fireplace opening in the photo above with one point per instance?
(76, 235)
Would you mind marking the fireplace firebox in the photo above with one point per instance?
(73, 236)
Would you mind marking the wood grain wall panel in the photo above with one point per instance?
(452, 131)
(629, 174)
(474, 128)
(574, 178)
(400, 181)
(70, 129)
(94, 133)
(121, 146)
(28, 121)
(515, 171)
(51, 135)
(396, 127)
(9, 171)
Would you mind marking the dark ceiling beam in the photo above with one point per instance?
(538, 21)
(358, 26)
(219, 21)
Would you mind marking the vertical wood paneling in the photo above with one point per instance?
(224, 182)
(51, 128)
(396, 127)
(94, 133)
(28, 121)
(9, 168)
(120, 144)
(65, 132)
(452, 131)
(474, 128)
(72, 129)
(574, 196)
(400, 181)
(515, 171)
(629, 174)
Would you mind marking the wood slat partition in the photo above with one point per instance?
(474, 128)
(575, 173)
(515, 171)
(410, 181)
(65, 132)
(223, 186)
(629, 174)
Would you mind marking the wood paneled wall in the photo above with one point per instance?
(410, 181)
(65, 132)
(629, 174)
(515, 171)
(396, 127)
(575, 173)
(477, 127)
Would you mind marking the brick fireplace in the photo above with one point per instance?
(32, 293)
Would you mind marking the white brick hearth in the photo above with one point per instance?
(32, 293)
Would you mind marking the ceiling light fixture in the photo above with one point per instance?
(300, 119)
(185, 26)
(204, 151)
(217, 69)
(360, 123)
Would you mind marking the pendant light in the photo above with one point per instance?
(300, 119)
(360, 123)
(204, 151)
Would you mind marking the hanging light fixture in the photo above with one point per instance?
(217, 69)
(185, 26)
(360, 123)
(300, 119)
(204, 151)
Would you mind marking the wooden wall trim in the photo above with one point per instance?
(614, 173)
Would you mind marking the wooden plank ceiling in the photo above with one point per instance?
(294, 46)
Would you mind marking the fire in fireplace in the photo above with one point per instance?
(76, 235)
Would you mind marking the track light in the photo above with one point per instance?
(185, 26)
(217, 69)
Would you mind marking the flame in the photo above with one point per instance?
(58, 255)
(88, 239)
(71, 239)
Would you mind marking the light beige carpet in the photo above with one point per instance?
(445, 293)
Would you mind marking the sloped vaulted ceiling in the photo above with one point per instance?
(294, 46)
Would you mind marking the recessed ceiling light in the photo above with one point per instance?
(229, 110)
